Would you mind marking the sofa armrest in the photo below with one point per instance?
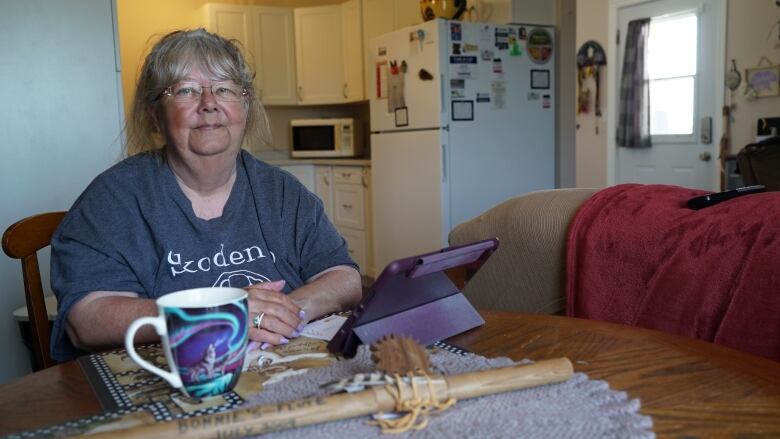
(527, 272)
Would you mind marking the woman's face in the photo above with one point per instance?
(205, 127)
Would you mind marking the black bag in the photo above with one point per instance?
(759, 163)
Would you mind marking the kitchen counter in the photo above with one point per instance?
(331, 162)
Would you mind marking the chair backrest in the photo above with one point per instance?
(759, 163)
(527, 273)
(22, 240)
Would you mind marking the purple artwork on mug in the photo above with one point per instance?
(207, 345)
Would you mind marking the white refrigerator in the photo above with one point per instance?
(462, 118)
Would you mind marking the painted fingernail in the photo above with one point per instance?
(296, 334)
(264, 346)
(283, 341)
(300, 327)
(302, 314)
(251, 346)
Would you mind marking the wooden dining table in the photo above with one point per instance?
(690, 388)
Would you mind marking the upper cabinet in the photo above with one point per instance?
(329, 48)
(232, 22)
(352, 36)
(267, 35)
(274, 42)
(380, 17)
(310, 55)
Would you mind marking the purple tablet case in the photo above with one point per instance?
(414, 297)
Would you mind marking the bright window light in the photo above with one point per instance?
(671, 68)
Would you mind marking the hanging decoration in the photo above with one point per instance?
(590, 58)
(762, 80)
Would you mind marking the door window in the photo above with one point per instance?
(671, 71)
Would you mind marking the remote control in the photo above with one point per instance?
(708, 200)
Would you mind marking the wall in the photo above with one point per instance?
(591, 147)
(566, 13)
(748, 23)
(60, 129)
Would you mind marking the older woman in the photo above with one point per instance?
(189, 208)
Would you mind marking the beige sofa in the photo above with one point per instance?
(528, 270)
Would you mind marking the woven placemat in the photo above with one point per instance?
(577, 408)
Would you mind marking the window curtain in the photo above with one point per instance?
(633, 129)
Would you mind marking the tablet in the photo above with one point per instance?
(414, 297)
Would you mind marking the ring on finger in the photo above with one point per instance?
(258, 319)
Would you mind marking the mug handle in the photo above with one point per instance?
(159, 326)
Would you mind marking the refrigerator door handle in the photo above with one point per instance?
(441, 91)
(443, 162)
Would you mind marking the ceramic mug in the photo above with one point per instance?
(204, 335)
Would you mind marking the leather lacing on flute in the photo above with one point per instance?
(415, 409)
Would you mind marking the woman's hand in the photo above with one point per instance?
(281, 318)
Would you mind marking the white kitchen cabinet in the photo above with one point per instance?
(381, 17)
(323, 187)
(319, 53)
(274, 43)
(352, 212)
(328, 53)
(357, 247)
(303, 172)
(268, 37)
(352, 36)
(348, 198)
(345, 191)
(231, 21)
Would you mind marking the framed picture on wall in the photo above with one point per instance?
(765, 80)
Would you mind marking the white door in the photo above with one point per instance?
(686, 93)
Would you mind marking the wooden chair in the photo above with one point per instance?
(22, 240)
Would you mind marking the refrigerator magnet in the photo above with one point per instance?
(546, 101)
(463, 67)
(502, 38)
(498, 90)
(515, 50)
(455, 31)
(457, 88)
(483, 97)
(468, 48)
(539, 45)
(462, 110)
(380, 76)
(522, 34)
(540, 79)
(401, 117)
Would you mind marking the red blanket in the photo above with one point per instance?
(638, 256)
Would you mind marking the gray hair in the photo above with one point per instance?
(169, 61)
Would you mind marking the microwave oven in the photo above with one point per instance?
(325, 138)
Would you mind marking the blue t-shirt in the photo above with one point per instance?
(133, 229)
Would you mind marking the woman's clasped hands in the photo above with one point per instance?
(274, 318)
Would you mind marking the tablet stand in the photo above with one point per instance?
(414, 297)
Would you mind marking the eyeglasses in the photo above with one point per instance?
(192, 92)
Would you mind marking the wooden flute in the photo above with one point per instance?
(275, 417)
